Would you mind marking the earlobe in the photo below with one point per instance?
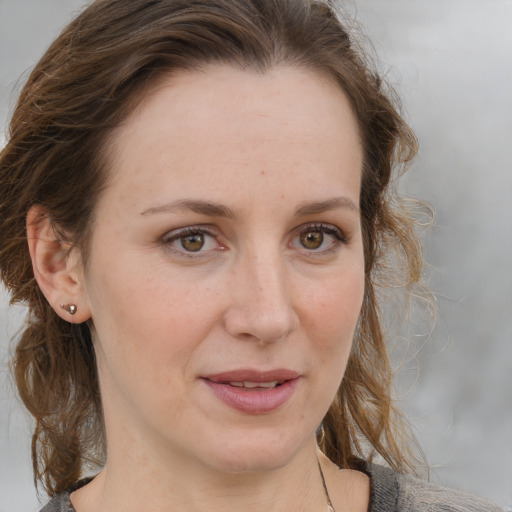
(55, 267)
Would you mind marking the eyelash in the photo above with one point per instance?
(181, 234)
(325, 229)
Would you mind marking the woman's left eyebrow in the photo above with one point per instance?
(333, 203)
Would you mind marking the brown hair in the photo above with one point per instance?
(56, 156)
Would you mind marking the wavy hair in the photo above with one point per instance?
(56, 156)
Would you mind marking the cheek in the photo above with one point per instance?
(334, 308)
(147, 315)
(331, 321)
(146, 335)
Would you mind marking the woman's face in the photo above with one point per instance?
(226, 272)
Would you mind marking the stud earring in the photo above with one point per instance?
(70, 308)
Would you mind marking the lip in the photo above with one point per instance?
(253, 375)
(254, 401)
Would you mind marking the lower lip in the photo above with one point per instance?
(259, 401)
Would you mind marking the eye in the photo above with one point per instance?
(192, 243)
(192, 240)
(319, 238)
(312, 240)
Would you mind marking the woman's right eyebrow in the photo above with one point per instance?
(208, 208)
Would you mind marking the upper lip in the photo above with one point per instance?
(250, 375)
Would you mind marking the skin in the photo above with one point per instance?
(281, 152)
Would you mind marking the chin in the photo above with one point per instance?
(259, 452)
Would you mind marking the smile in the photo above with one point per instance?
(254, 392)
(256, 385)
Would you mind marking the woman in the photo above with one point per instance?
(197, 206)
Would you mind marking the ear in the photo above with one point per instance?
(56, 267)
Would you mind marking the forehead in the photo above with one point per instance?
(201, 125)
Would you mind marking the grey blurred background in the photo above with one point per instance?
(451, 61)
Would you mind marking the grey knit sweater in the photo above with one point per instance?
(390, 492)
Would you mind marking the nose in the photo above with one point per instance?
(261, 306)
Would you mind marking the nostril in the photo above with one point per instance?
(264, 327)
(261, 307)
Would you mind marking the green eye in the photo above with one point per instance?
(311, 240)
(193, 242)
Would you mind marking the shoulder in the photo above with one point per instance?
(62, 502)
(59, 503)
(391, 491)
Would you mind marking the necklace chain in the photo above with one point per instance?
(330, 507)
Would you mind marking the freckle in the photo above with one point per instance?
(262, 172)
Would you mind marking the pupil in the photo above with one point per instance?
(312, 239)
(193, 243)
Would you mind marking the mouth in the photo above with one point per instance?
(253, 379)
(255, 386)
(254, 392)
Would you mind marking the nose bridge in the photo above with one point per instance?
(262, 307)
(268, 281)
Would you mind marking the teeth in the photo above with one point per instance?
(251, 385)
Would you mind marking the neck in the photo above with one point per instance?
(142, 483)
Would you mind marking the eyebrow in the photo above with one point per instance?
(202, 207)
(311, 208)
(219, 210)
